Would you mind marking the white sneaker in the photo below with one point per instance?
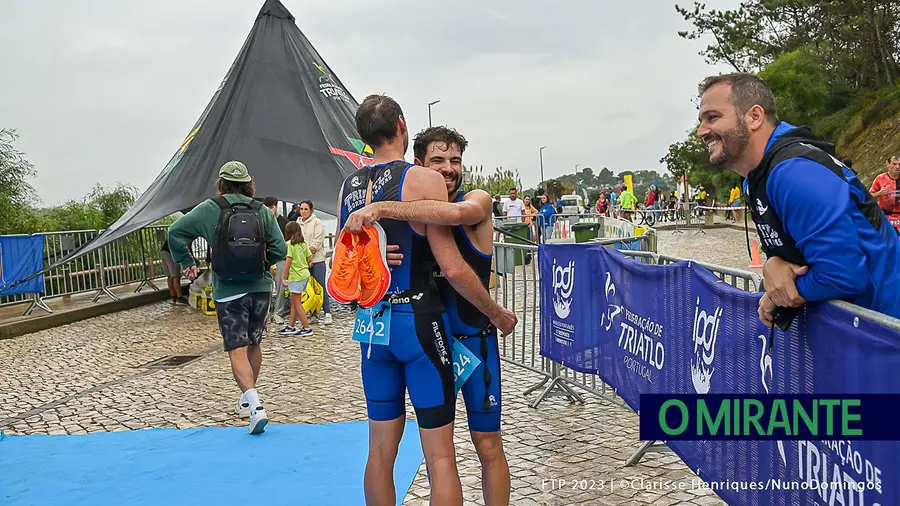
(258, 421)
(242, 408)
(328, 320)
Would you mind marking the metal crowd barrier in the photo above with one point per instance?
(559, 227)
(516, 285)
(687, 218)
(134, 258)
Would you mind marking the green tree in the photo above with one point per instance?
(858, 37)
(805, 90)
(75, 215)
(690, 157)
(112, 203)
(606, 177)
(686, 156)
(16, 193)
(497, 183)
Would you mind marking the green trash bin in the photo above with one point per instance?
(586, 231)
(517, 233)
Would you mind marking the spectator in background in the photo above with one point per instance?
(884, 188)
(497, 207)
(272, 203)
(672, 206)
(294, 215)
(173, 274)
(528, 212)
(602, 203)
(700, 199)
(546, 219)
(295, 280)
(629, 202)
(281, 306)
(652, 197)
(734, 200)
(513, 207)
(822, 232)
(314, 232)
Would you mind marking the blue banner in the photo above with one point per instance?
(678, 329)
(20, 257)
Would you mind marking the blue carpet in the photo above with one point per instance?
(318, 465)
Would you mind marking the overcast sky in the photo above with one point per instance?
(104, 91)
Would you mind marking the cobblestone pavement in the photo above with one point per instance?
(90, 376)
(722, 246)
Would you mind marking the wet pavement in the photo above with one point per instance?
(93, 376)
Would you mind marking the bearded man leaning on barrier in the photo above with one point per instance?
(824, 234)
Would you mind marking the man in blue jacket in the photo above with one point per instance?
(824, 234)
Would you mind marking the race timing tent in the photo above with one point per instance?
(281, 111)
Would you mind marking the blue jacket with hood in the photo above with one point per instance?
(848, 258)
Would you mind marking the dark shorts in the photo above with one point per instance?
(481, 391)
(242, 321)
(418, 359)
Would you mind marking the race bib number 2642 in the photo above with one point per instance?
(373, 325)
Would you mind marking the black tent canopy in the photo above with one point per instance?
(281, 111)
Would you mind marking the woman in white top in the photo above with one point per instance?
(314, 233)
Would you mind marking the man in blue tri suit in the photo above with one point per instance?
(418, 355)
(470, 214)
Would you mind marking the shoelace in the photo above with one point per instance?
(371, 333)
(347, 263)
(372, 316)
(366, 267)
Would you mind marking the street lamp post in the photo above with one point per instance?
(575, 179)
(541, 152)
(429, 110)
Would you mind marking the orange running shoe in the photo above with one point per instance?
(343, 281)
(374, 273)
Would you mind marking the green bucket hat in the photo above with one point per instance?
(235, 171)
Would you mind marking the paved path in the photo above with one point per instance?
(91, 376)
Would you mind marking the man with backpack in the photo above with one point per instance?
(246, 241)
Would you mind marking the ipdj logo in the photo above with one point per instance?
(706, 329)
(563, 283)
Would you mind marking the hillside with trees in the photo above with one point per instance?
(832, 65)
(585, 182)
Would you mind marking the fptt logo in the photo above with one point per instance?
(706, 328)
(612, 310)
(563, 283)
(765, 369)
